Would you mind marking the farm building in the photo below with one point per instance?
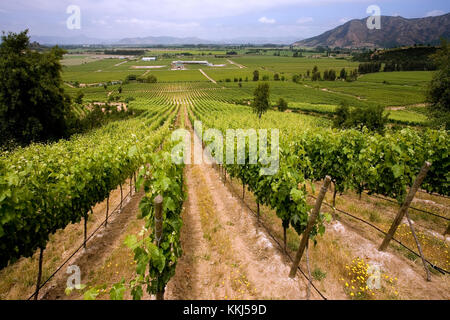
(191, 62)
(148, 58)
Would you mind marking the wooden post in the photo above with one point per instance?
(160, 295)
(419, 247)
(38, 282)
(107, 211)
(308, 291)
(334, 201)
(131, 186)
(334, 194)
(85, 230)
(121, 196)
(158, 231)
(447, 231)
(158, 218)
(404, 208)
(257, 209)
(310, 225)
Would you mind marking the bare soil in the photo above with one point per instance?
(226, 255)
(98, 249)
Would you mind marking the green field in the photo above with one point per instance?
(388, 89)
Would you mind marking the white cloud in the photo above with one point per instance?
(266, 20)
(434, 13)
(344, 20)
(305, 20)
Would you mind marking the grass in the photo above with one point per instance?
(318, 274)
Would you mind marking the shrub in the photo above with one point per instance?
(282, 105)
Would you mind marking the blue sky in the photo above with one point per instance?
(208, 19)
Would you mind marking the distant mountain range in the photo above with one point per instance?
(158, 40)
(73, 40)
(395, 31)
(161, 41)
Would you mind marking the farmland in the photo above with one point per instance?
(106, 182)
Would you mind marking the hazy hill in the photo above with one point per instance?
(395, 31)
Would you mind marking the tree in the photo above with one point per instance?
(151, 79)
(282, 105)
(371, 117)
(276, 77)
(296, 78)
(331, 75)
(255, 75)
(343, 74)
(316, 76)
(369, 67)
(79, 97)
(131, 77)
(438, 94)
(33, 104)
(261, 102)
(341, 115)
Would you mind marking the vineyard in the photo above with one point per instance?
(139, 226)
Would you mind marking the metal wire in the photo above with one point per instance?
(443, 271)
(421, 210)
(79, 248)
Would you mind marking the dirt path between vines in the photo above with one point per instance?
(225, 254)
(208, 77)
(98, 249)
(236, 64)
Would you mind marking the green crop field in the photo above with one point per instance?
(290, 65)
(388, 89)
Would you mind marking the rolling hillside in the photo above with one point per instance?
(395, 31)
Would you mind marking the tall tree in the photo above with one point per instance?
(261, 102)
(79, 97)
(282, 105)
(255, 75)
(33, 105)
(343, 74)
(438, 94)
